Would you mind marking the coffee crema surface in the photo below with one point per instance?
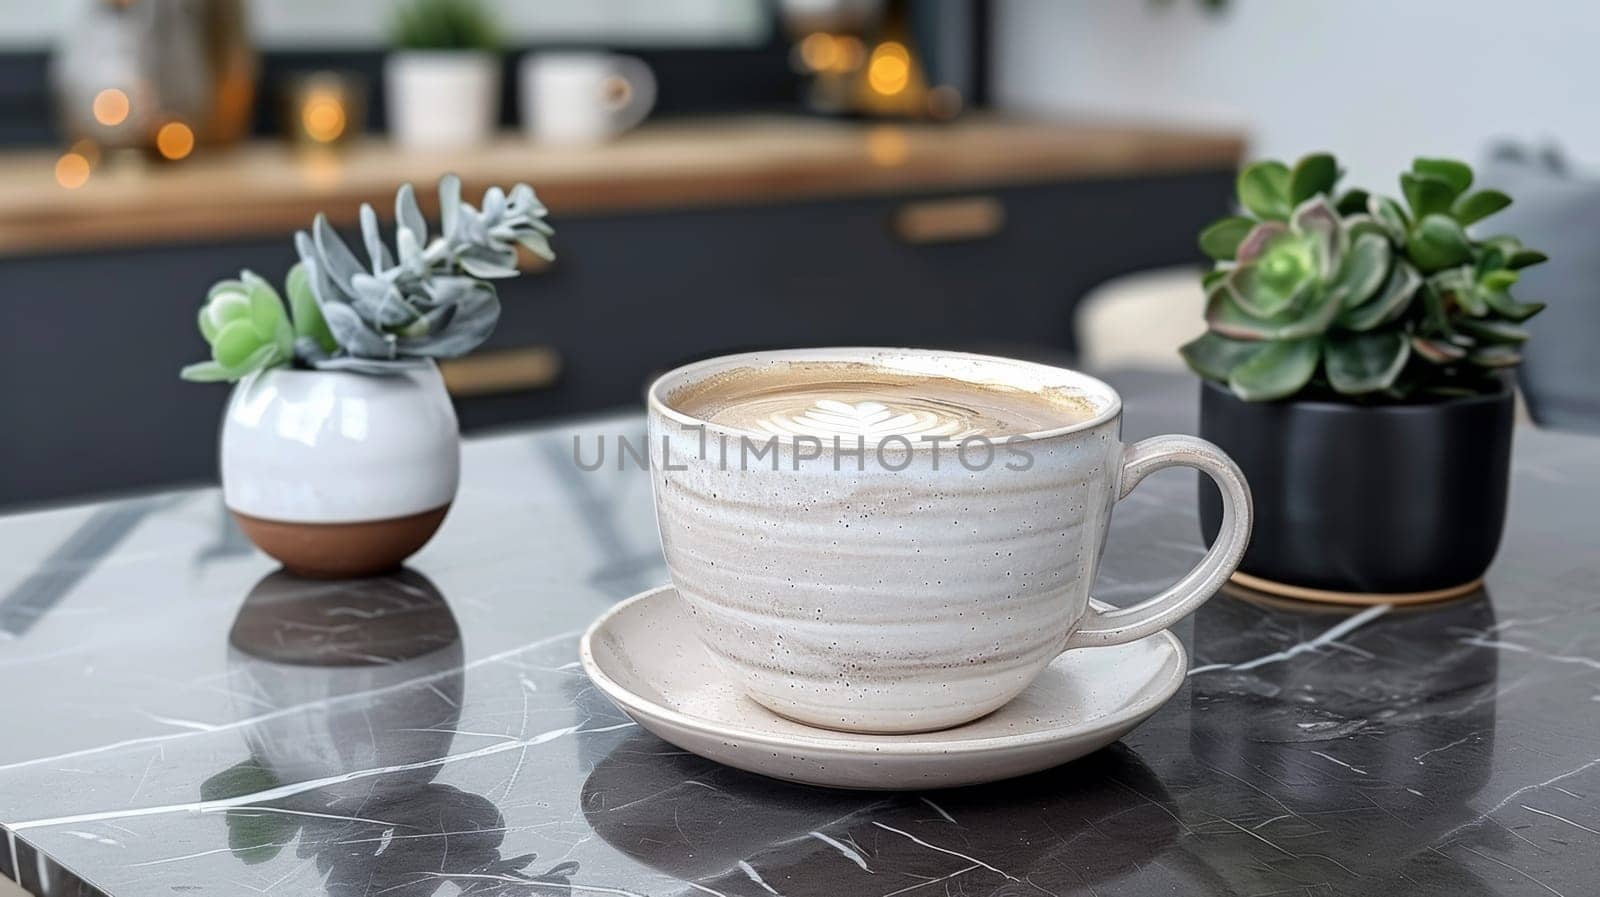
(865, 401)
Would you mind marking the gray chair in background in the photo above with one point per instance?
(1556, 211)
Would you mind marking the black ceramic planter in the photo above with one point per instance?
(1352, 503)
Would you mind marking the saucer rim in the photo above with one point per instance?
(865, 743)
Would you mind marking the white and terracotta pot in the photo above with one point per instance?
(440, 99)
(339, 474)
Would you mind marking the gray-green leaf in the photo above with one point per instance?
(1455, 175)
(1391, 301)
(1363, 272)
(1264, 189)
(1438, 242)
(1220, 240)
(1279, 370)
(1214, 356)
(1477, 206)
(1313, 174)
(1427, 195)
(1367, 363)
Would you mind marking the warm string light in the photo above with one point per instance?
(889, 70)
(828, 53)
(323, 117)
(72, 170)
(174, 140)
(110, 107)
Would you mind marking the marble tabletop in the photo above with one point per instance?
(177, 718)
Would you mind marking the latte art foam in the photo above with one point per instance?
(862, 402)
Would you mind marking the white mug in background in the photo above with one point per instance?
(583, 97)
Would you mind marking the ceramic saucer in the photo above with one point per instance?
(645, 656)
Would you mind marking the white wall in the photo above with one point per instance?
(1375, 81)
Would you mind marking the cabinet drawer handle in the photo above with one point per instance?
(949, 220)
(508, 370)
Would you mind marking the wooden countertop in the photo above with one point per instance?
(266, 188)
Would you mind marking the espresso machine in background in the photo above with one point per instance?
(884, 58)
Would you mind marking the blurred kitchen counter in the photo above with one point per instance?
(268, 187)
(683, 240)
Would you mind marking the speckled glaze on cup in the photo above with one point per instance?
(913, 599)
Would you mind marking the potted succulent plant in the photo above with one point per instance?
(442, 80)
(1354, 368)
(340, 451)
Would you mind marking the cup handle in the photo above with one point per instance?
(1114, 627)
(629, 93)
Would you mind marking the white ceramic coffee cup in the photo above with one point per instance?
(907, 591)
(584, 97)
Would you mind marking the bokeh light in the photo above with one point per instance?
(111, 107)
(323, 117)
(889, 71)
(175, 140)
(820, 51)
(72, 170)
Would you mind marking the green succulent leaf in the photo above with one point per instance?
(1477, 206)
(1501, 279)
(1366, 363)
(1493, 331)
(1363, 272)
(1214, 356)
(1388, 213)
(1456, 175)
(1268, 291)
(1264, 189)
(206, 372)
(1524, 258)
(1279, 277)
(1456, 284)
(1353, 201)
(208, 327)
(1507, 307)
(226, 286)
(1313, 174)
(1434, 314)
(1362, 223)
(1221, 239)
(308, 320)
(1279, 370)
(1499, 356)
(1426, 195)
(1225, 317)
(1438, 242)
(1390, 302)
(1259, 238)
(234, 343)
(1437, 351)
(266, 313)
(223, 307)
(1211, 280)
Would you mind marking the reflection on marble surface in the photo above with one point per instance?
(181, 719)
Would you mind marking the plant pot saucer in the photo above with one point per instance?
(1358, 599)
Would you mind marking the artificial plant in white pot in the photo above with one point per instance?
(442, 79)
(340, 451)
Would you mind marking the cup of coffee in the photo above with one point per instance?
(573, 97)
(901, 540)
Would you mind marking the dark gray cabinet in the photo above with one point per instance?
(90, 401)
